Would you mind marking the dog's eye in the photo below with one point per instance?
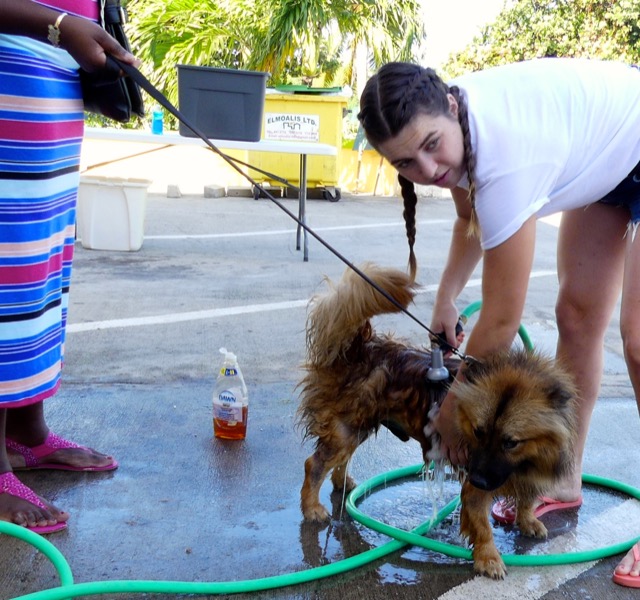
(509, 444)
(479, 433)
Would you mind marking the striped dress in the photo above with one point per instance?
(41, 128)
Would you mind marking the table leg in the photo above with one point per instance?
(299, 227)
(302, 209)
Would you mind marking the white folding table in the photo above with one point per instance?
(302, 149)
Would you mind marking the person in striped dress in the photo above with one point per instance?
(42, 46)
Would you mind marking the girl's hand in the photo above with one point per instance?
(89, 44)
(444, 321)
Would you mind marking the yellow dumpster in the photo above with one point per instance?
(312, 116)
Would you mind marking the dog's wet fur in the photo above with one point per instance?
(516, 409)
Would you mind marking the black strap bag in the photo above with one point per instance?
(106, 92)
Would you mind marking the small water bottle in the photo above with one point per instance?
(230, 400)
(157, 121)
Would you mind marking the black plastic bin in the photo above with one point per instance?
(225, 104)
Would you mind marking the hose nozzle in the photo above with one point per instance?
(437, 371)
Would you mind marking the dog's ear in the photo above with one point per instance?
(396, 429)
(560, 393)
(559, 385)
(473, 369)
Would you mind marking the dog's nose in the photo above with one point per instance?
(480, 482)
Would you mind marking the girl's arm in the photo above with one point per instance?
(86, 41)
(464, 255)
(505, 279)
(25, 17)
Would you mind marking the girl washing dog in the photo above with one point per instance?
(515, 143)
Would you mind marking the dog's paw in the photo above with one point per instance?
(489, 564)
(532, 527)
(316, 514)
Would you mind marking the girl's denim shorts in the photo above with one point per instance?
(627, 193)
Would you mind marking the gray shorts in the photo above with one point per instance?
(627, 193)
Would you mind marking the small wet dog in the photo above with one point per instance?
(515, 410)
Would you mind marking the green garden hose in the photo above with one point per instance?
(410, 538)
(474, 307)
(72, 590)
(401, 538)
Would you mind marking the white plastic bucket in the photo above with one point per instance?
(111, 212)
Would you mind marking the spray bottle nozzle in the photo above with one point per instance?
(437, 371)
(228, 355)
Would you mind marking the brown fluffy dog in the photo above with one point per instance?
(516, 410)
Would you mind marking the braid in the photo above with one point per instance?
(393, 97)
(410, 200)
(426, 89)
(469, 158)
(390, 101)
(416, 87)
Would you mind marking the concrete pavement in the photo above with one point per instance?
(142, 355)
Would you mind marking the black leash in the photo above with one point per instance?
(148, 87)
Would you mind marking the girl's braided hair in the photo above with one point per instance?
(391, 99)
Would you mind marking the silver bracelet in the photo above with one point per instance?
(54, 31)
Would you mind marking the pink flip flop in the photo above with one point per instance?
(10, 484)
(504, 510)
(32, 456)
(632, 581)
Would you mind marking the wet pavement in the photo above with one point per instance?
(186, 510)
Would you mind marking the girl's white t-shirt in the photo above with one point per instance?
(549, 135)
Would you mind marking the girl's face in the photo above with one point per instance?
(429, 150)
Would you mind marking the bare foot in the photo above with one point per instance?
(504, 510)
(80, 458)
(568, 488)
(564, 493)
(630, 564)
(57, 453)
(22, 506)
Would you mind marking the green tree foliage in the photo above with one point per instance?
(300, 33)
(290, 39)
(526, 29)
(165, 33)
